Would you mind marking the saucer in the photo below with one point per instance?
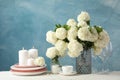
(68, 74)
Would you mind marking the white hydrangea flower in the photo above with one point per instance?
(103, 39)
(74, 54)
(61, 45)
(86, 35)
(84, 16)
(52, 52)
(82, 24)
(51, 37)
(61, 33)
(97, 50)
(71, 22)
(62, 53)
(94, 34)
(40, 61)
(72, 33)
(75, 46)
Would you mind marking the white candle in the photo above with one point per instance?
(23, 56)
(33, 53)
(30, 62)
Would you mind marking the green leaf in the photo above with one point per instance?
(57, 26)
(55, 60)
(66, 27)
(88, 22)
(90, 29)
(63, 26)
(99, 29)
(66, 40)
(86, 44)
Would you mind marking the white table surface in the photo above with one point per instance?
(6, 75)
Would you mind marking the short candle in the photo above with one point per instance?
(33, 53)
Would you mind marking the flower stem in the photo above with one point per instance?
(55, 60)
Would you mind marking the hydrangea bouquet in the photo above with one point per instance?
(75, 37)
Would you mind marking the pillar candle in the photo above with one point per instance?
(30, 62)
(23, 56)
(33, 53)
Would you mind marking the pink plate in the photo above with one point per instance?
(27, 73)
(18, 66)
(38, 70)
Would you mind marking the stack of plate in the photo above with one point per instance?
(27, 70)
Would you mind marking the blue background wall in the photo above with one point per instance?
(24, 23)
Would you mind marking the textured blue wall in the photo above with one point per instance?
(25, 23)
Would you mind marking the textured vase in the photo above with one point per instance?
(83, 62)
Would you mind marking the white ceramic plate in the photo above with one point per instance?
(27, 73)
(68, 74)
(31, 68)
